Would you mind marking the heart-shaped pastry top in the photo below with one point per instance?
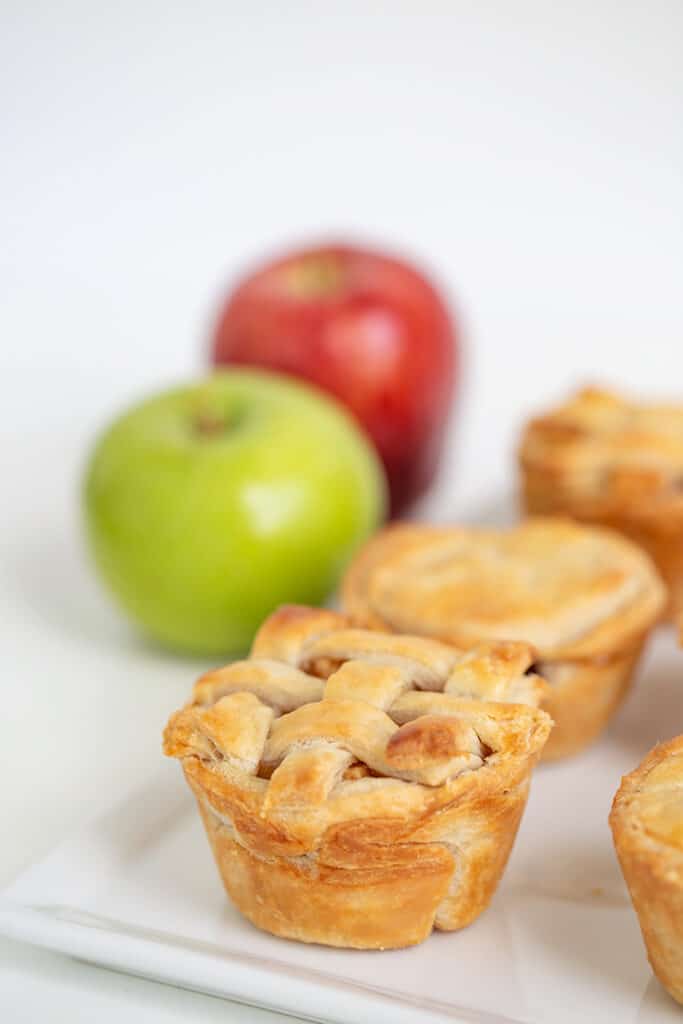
(569, 590)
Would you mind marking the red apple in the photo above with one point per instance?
(366, 327)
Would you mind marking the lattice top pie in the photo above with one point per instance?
(601, 445)
(326, 723)
(570, 590)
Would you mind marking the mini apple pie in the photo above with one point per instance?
(602, 459)
(647, 825)
(355, 787)
(584, 597)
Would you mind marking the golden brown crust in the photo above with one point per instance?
(600, 458)
(608, 445)
(585, 597)
(571, 591)
(309, 847)
(335, 906)
(583, 696)
(647, 826)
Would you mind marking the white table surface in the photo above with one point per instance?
(532, 156)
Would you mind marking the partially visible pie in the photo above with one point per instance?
(602, 458)
(584, 597)
(358, 788)
(647, 825)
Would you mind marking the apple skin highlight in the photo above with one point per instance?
(209, 505)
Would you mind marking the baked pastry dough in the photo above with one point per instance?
(355, 787)
(647, 825)
(584, 597)
(602, 459)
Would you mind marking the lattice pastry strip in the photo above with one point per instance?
(318, 729)
(371, 737)
(233, 730)
(306, 777)
(339, 769)
(279, 685)
(377, 684)
(320, 641)
(323, 739)
(487, 671)
(429, 662)
(582, 596)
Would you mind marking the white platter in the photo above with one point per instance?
(137, 891)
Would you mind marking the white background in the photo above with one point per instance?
(529, 153)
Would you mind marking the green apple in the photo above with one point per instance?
(209, 505)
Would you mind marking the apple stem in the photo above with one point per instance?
(212, 421)
(316, 276)
(209, 425)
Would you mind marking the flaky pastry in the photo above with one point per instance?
(647, 825)
(359, 789)
(600, 458)
(584, 597)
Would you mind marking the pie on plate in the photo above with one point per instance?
(584, 597)
(647, 825)
(601, 458)
(358, 788)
